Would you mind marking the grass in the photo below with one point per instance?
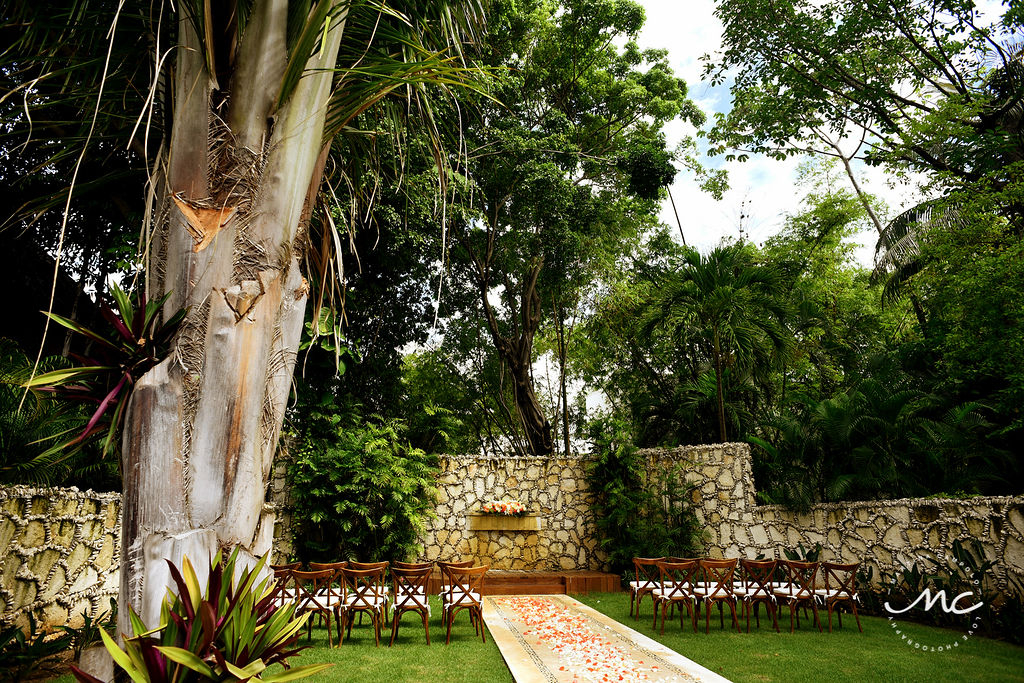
(878, 654)
(465, 660)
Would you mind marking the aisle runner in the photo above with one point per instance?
(556, 639)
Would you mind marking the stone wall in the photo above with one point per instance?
(886, 535)
(61, 553)
(555, 488)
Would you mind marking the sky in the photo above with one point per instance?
(763, 191)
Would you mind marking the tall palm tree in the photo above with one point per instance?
(731, 309)
(230, 109)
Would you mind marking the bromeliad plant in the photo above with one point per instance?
(234, 631)
(134, 342)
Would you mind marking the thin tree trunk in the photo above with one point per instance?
(202, 426)
(720, 390)
(915, 302)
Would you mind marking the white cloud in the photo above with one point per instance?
(762, 190)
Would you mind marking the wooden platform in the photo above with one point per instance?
(500, 582)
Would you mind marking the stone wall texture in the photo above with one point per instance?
(61, 553)
(886, 535)
(553, 488)
(61, 545)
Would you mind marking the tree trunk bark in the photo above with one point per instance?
(720, 390)
(202, 427)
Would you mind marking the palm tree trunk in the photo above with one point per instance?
(202, 427)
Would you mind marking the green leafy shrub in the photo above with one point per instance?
(32, 423)
(359, 491)
(638, 514)
(23, 654)
(89, 632)
(233, 631)
(967, 571)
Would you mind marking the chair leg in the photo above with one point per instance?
(732, 606)
(747, 604)
(830, 606)
(480, 620)
(426, 626)
(664, 609)
(817, 620)
(330, 639)
(448, 619)
(839, 613)
(395, 618)
(791, 608)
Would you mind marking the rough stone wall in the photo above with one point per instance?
(61, 553)
(886, 535)
(555, 488)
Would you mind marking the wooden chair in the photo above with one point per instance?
(717, 587)
(320, 566)
(840, 586)
(413, 565)
(283, 576)
(675, 584)
(363, 593)
(384, 588)
(409, 595)
(646, 579)
(756, 589)
(315, 592)
(798, 589)
(466, 593)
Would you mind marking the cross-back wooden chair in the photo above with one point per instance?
(645, 580)
(283, 576)
(320, 566)
(384, 588)
(364, 592)
(840, 587)
(798, 589)
(413, 565)
(756, 588)
(466, 594)
(675, 585)
(315, 592)
(409, 595)
(717, 587)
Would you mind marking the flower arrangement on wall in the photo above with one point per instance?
(509, 508)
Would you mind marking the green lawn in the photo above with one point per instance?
(878, 654)
(465, 660)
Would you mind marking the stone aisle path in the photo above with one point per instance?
(556, 639)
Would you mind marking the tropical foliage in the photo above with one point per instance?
(358, 489)
(234, 629)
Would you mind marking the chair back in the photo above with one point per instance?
(320, 566)
(446, 579)
(800, 577)
(367, 565)
(840, 579)
(675, 579)
(673, 558)
(315, 591)
(757, 577)
(283, 571)
(363, 588)
(412, 565)
(647, 572)
(718, 577)
(467, 586)
(410, 588)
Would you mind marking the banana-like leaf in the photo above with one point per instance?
(187, 659)
(295, 673)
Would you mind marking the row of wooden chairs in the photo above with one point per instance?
(344, 589)
(696, 582)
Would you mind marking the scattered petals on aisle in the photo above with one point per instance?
(588, 655)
